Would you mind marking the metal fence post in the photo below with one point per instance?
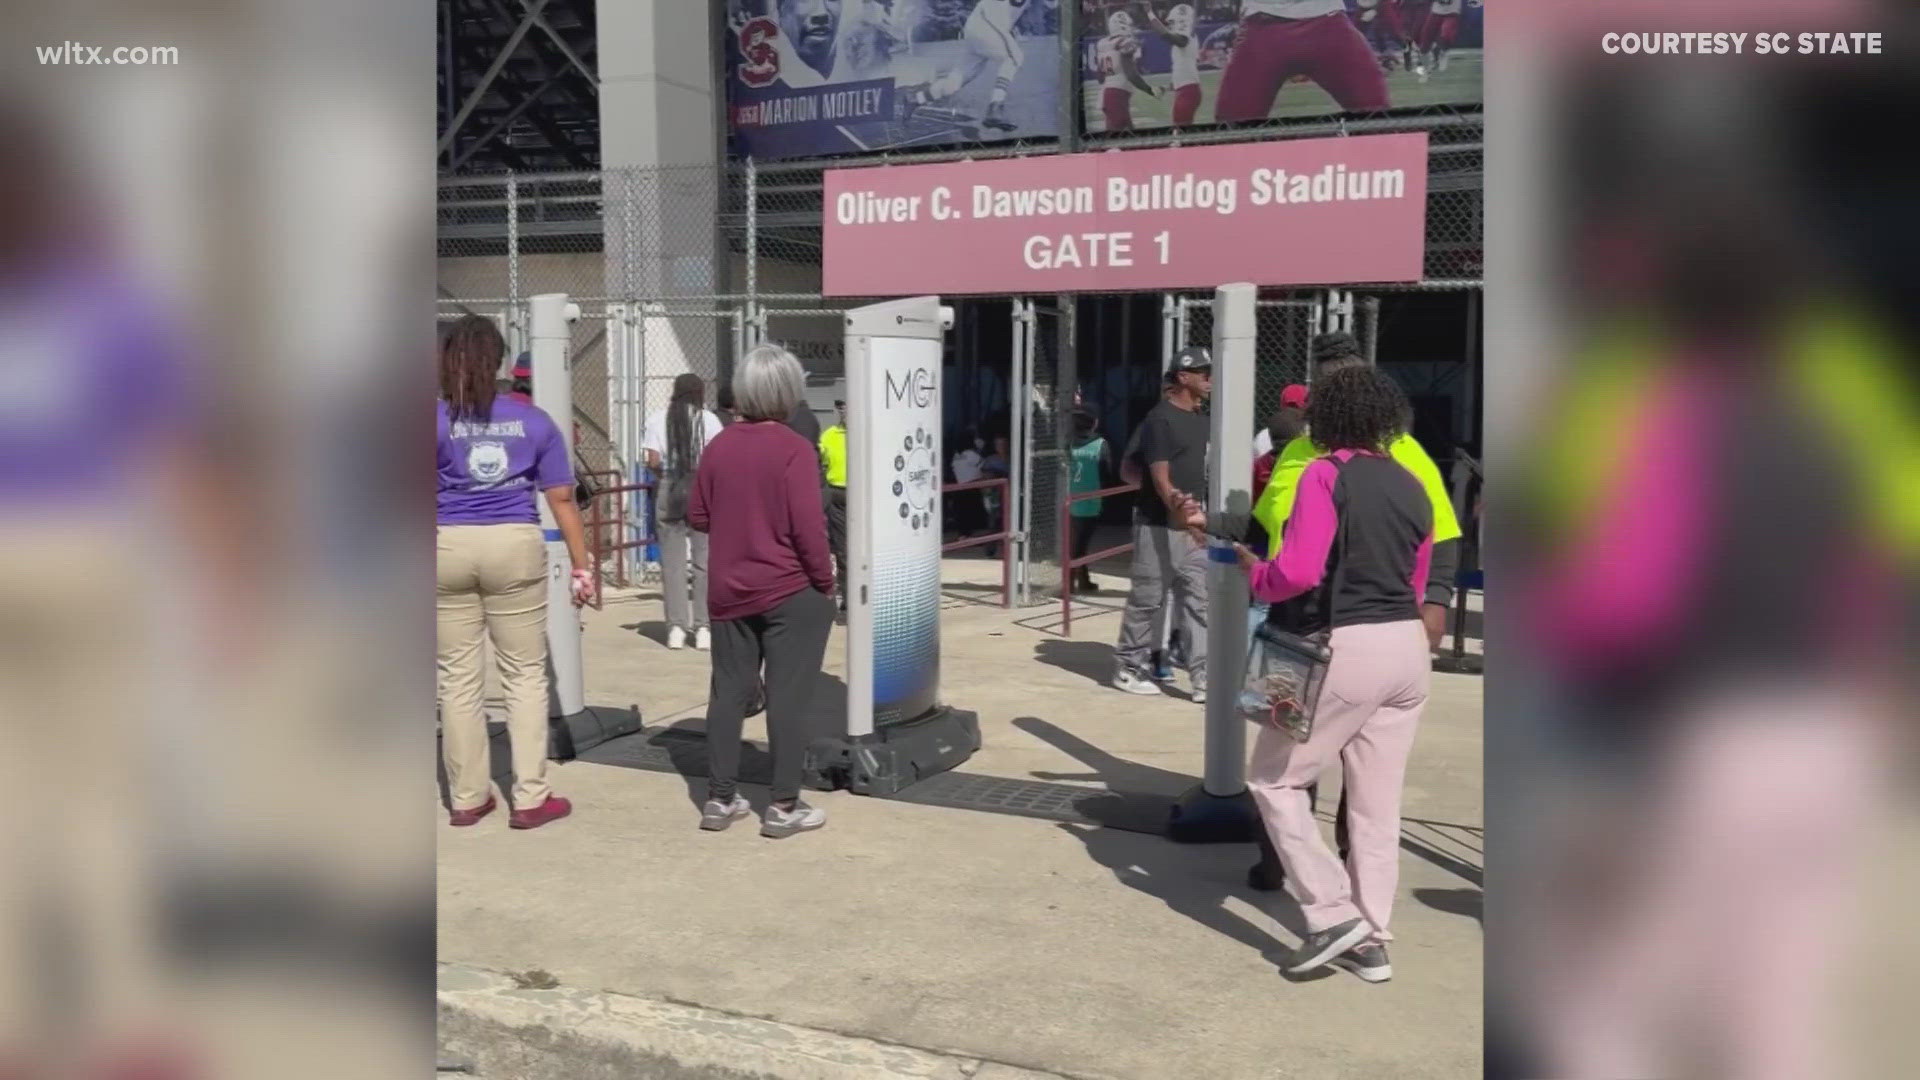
(1019, 413)
(753, 250)
(1220, 807)
(513, 243)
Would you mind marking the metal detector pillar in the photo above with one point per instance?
(1220, 808)
(897, 730)
(575, 727)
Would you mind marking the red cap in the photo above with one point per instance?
(1294, 396)
(523, 367)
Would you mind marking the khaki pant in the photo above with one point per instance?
(73, 727)
(492, 584)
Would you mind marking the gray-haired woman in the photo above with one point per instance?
(770, 591)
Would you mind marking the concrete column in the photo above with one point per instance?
(662, 136)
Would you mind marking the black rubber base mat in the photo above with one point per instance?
(685, 752)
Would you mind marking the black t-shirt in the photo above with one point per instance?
(1179, 438)
(805, 424)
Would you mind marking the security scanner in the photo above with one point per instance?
(897, 728)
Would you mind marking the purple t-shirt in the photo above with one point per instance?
(491, 470)
(96, 377)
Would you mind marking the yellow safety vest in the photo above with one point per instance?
(1275, 504)
(833, 455)
(1837, 357)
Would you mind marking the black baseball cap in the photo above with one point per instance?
(1193, 358)
(1335, 345)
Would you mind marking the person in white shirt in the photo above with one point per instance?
(1118, 56)
(966, 509)
(672, 443)
(1184, 48)
(988, 39)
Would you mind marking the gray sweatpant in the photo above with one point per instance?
(679, 579)
(1169, 570)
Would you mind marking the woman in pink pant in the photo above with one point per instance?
(1354, 560)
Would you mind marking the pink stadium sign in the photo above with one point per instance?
(1295, 212)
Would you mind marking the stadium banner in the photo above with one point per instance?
(1292, 212)
(812, 78)
(1158, 64)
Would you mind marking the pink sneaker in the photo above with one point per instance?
(553, 809)
(460, 818)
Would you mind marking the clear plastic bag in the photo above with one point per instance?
(1284, 675)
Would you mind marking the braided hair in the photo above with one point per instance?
(470, 367)
(683, 412)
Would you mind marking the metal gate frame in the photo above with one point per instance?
(1334, 309)
(1019, 470)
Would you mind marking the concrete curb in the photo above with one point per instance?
(510, 1033)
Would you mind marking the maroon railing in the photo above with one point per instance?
(1004, 537)
(610, 511)
(1069, 564)
(614, 495)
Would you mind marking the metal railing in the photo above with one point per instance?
(1004, 537)
(599, 545)
(1071, 563)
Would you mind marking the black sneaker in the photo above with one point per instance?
(1367, 960)
(1323, 945)
(1262, 877)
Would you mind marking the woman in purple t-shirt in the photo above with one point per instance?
(496, 453)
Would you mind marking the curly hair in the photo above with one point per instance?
(1356, 408)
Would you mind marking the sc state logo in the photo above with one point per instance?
(760, 58)
(915, 480)
(487, 463)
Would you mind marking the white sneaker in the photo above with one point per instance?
(777, 823)
(1199, 695)
(1130, 683)
(703, 639)
(676, 638)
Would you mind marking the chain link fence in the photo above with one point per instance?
(1283, 335)
(680, 269)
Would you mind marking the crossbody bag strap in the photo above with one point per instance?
(1340, 546)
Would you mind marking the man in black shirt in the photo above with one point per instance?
(1171, 461)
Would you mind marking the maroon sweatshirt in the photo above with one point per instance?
(757, 497)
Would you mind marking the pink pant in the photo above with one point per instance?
(1368, 712)
(1326, 49)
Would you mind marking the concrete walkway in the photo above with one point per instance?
(1051, 946)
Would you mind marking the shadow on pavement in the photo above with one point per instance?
(1091, 660)
(684, 745)
(1165, 870)
(1153, 864)
(1466, 902)
(655, 632)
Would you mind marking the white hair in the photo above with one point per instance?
(768, 384)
